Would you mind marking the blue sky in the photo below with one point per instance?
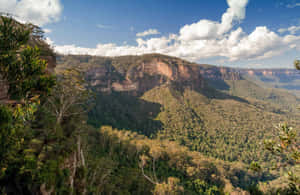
(252, 34)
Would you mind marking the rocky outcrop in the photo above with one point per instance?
(220, 73)
(291, 73)
(144, 76)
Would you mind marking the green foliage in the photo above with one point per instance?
(171, 187)
(255, 166)
(47, 146)
(34, 144)
(297, 64)
(201, 187)
(164, 166)
(286, 146)
(219, 122)
(20, 65)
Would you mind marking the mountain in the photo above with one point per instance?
(150, 124)
(276, 78)
(217, 111)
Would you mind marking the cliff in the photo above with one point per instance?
(137, 74)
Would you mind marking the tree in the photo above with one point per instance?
(69, 100)
(172, 187)
(20, 65)
(286, 146)
(25, 74)
(297, 64)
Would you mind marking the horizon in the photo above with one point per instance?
(232, 33)
(216, 65)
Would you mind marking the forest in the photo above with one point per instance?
(137, 125)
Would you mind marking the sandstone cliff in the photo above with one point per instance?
(137, 74)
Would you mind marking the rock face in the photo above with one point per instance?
(220, 73)
(144, 76)
(137, 74)
(279, 78)
(280, 73)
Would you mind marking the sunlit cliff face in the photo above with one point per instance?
(147, 75)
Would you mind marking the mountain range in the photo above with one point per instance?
(222, 112)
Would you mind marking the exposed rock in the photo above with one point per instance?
(137, 74)
(291, 73)
(144, 76)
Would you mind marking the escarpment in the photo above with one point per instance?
(137, 74)
(144, 76)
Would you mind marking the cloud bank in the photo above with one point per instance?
(39, 12)
(205, 39)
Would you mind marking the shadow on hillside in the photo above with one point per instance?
(211, 90)
(125, 111)
(219, 84)
(248, 180)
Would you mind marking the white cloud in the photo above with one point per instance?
(39, 12)
(205, 39)
(293, 5)
(47, 30)
(147, 33)
(102, 26)
(293, 29)
(207, 29)
(49, 41)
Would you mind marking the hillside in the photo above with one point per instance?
(212, 110)
(287, 79)
(49, 147)
(150, 124)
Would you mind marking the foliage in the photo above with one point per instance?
(166, 166)
(20, 64)
(287, 147)
(48, 147)
(35, 145)
(219, 122)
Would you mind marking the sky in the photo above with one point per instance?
(236, 33)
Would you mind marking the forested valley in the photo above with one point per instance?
(149, 124)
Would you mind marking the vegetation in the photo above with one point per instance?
(166, 167)
(63, 134)
(226, 126)
(229, 123)
(35, 141)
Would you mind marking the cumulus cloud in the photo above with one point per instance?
(39, 12)
(148, 32)
(292, 29)
(205, 39)
(207, 29)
